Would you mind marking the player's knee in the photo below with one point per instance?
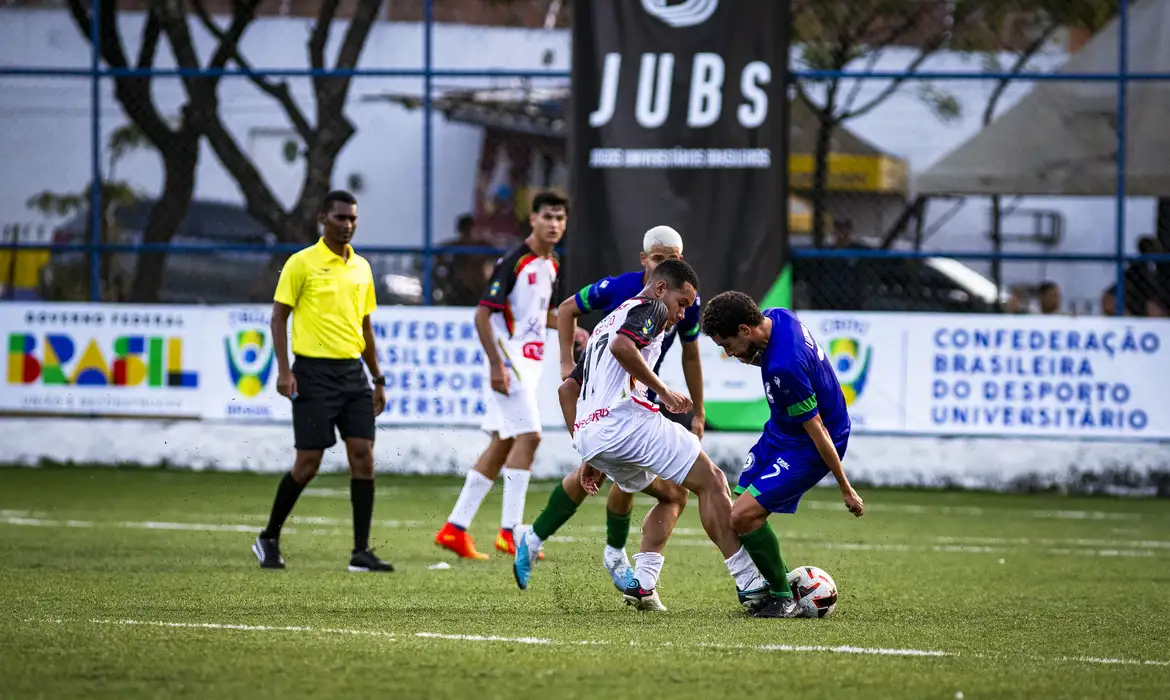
(706, 477)
(675, 495)
(361, 460)
(745, 519)
(306, 466)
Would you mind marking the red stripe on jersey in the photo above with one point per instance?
(523, 262)
(643, 404)
(492, 305)
(640, 342)
(509, 320)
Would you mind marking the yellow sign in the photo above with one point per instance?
(852, 173)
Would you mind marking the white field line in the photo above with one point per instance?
(904, 508)
(542, 641)
(1073, 547)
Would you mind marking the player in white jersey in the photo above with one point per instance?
(620, 434)
(515, 310)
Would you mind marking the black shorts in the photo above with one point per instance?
(331, 394)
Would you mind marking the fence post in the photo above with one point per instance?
(95, 188)
(1122, 83)
(428, 155)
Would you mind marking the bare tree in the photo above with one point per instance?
(833, 35)
(176, 143)
(322, 139)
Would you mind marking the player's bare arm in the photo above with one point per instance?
(815, 428)
(498, 373)
(567, 314)
(286, 383)
(626, 352)
(693, 373)
(370, 356)
(567, 394)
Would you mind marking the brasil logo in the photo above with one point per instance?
(850, 359)
(249, 359)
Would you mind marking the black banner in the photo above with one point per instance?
(679, 117)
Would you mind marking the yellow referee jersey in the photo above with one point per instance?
(329, 297)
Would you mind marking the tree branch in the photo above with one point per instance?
(320, 34)
(1022, 60)
(132, 92)
(149, 48)
(279, 91)
(203, 105)
(856, 89)
(359, 29)
(894, 84)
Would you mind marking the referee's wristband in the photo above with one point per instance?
(380, 380)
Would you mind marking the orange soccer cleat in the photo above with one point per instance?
(507, 544)
(458, 541)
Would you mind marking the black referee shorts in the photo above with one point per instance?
(331, 394)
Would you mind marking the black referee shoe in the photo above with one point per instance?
(366, 560)
(267, 551)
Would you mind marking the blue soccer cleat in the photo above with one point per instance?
(526, 556)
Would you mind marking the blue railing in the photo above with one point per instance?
(96, 72)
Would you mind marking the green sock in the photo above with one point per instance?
(558, 511)
(764, 549)
(617, 529)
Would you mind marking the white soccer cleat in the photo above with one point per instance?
(618, 566)
(642, 599)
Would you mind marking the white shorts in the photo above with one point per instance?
(515, 414)
(658, 447)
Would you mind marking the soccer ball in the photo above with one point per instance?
(814, 590)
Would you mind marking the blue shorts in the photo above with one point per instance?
(777, 476)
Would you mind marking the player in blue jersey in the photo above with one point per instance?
(804, 439)
(658, 244)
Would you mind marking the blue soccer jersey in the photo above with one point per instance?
(608, 293)
(799, 383)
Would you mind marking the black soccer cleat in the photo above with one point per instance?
(778, 607)
(366, 561)
(267, 551)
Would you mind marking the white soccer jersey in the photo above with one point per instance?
(523, 288)
(612, 403)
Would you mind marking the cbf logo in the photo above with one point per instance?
(688, 13)
(851, 357)
(249, 359)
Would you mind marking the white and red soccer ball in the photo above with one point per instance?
(814, 590)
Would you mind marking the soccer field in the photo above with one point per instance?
(124, 583)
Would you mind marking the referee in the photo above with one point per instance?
(329, 290)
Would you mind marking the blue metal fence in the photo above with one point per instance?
(428, 73)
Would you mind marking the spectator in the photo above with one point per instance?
(1109, 301)
(1048, 295)
(461, 279)
(1142, 290)
(499, 224)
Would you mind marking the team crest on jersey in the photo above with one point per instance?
(749, 462)
(648, 327)
(494, 289)
(768, 393)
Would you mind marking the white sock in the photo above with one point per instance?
(515, 489)
(647, 567)
(475, 489)
(743, 570)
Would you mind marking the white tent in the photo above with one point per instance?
(1061, 139)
